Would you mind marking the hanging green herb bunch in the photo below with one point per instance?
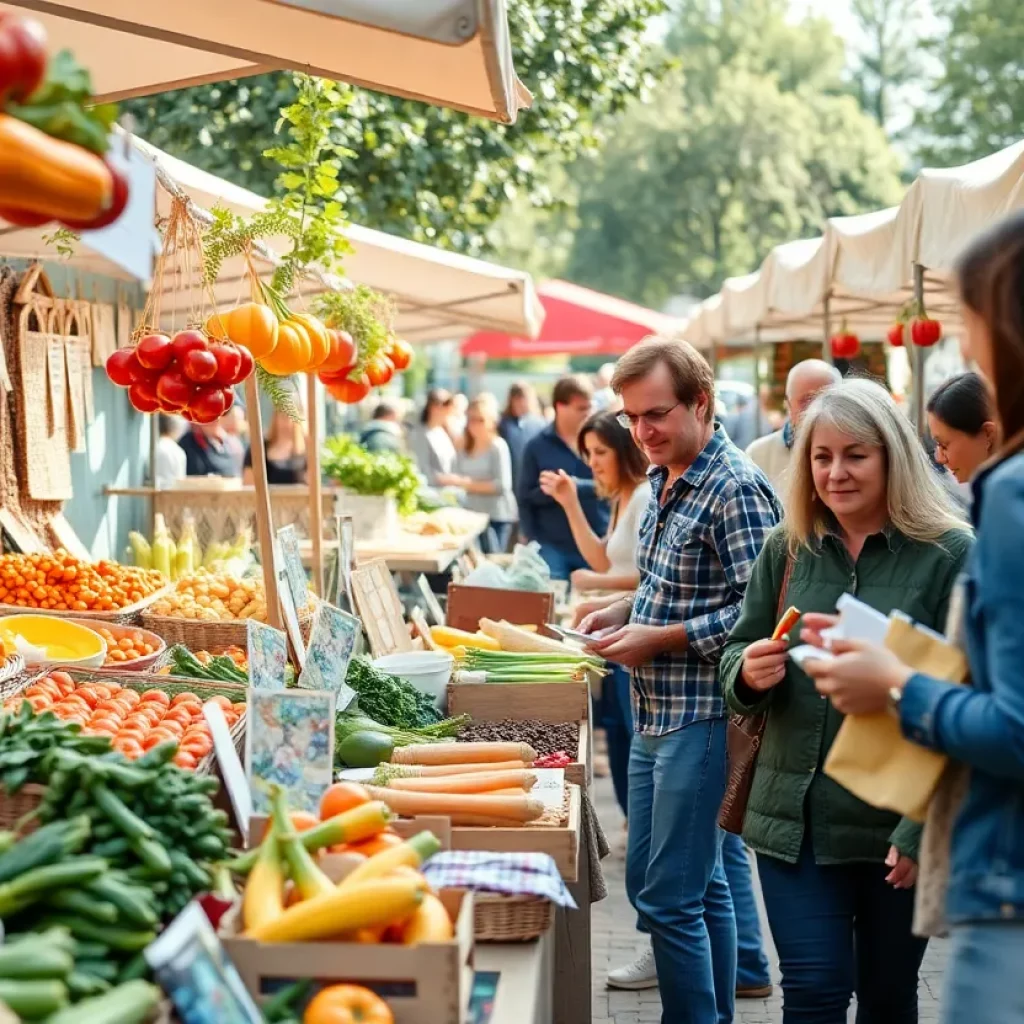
(365, 314)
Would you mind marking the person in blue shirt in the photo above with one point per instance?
(541, 518)
(980, 727)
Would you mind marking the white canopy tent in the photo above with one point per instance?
(451, 53)
(438, 294)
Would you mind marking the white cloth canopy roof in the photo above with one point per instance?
(860, 271)
(451, 53)
(439, 295)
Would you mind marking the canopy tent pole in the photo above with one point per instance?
(316, 526)
(757, 381)
(918, 358)
(264, 532)
(826, 321)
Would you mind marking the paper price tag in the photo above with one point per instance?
(332, 642)
(550, 787)
(291, 619)
(267, 652)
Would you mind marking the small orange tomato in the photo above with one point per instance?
(342, 796)
(183, 759)
(347, 1004)
(184, 697)
(156, 697)
(379, 843)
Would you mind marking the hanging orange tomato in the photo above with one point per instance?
(350, 391)
(400, 354)
(216, 326)
(292, 352)
(343, 352)
(318, 338)
(347, 1004)
(253, 325)
(380, 370)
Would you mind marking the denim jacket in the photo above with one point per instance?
(983, 725)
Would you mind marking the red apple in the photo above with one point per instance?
(143, 397)
(154, 351)
(199, 365)
(119, 366)
(229, 362)
(174, 389)
(187, 341)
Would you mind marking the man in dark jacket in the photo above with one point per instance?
(384, 432)
(541, 518)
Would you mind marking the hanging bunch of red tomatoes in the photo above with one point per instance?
(845, 344)
(924, 331)
(350, 382)
(188, 374)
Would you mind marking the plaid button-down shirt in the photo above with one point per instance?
(697, 549)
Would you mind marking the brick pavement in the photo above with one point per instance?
(615, 941)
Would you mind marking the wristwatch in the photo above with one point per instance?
(895, 696)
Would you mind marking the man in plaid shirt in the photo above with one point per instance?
(711, 512)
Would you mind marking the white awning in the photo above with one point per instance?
(959, 203)
(439, 295)
(450, 53)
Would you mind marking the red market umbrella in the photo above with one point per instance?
(577, 321)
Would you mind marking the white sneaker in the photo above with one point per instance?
(640, 974)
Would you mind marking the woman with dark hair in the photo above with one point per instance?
(974, 836)
(961, 420)
(620, 475)
(430, 441)
(520, 421)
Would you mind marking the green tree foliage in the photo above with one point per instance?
(890, 57)
(752, 142)
(421, 171)
(977, 104)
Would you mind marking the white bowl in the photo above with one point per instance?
(428, 671)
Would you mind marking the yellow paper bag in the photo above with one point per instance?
(871, 758)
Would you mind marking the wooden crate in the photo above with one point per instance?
(562, 842)
(468, 605)
(427, 982)
(542, 702)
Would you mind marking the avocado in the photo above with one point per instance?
(366, 749)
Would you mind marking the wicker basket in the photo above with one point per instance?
(503, 918)
(200, 635)
(127, 616)
(16, 806)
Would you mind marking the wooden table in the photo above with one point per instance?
(526, 979)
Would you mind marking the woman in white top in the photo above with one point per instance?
(620, 474)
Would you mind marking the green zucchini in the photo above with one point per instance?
(130, 1003)
(34, 999)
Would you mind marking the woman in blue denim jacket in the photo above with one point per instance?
(981, 726)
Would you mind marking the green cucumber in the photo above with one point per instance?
(130, 1003)
(84, 903)
(82, 985)
(153, 855)
(120, 814)
(34, 959)
(50, 843)
(39, 883)
(34, 999)
(131, 901)
(103, 967)
(127, 940)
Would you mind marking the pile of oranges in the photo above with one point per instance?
(129, 646)
(134, 722)
(61, 582)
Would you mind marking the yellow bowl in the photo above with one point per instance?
(65, 643)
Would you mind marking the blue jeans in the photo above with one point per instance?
(752, 968)
(617, 719)
(494, 540)
(983, 974)
(562, 561)
(674, 874)
(840, 929)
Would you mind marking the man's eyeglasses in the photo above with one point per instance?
(654, 418)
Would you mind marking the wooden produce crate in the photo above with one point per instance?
(427, 982)
(562, 842)
(543, 702)
(468, 605)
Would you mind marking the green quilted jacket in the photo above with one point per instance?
(790, 790)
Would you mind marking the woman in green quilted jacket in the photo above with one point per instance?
(866, 516)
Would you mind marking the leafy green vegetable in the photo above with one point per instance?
(376, 473)
(60, 106)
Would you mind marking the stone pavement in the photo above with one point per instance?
(614, 942)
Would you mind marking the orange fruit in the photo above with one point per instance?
(380, 842)
(156, 697)
(342, 796)
(255, 326)
(292, 352)
(319, 339)
(183, 759)
(185, 697)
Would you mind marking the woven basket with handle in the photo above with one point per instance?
(510, 918)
